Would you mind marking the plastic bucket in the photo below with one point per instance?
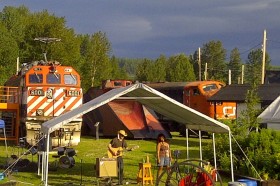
(248, 182)
(2, 176)
(236, 184)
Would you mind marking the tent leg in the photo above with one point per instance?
(215, 157)
(187, 137)
(231, 159)
(47, 160)
(200, 146)
(6, 142)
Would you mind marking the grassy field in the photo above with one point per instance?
(83, 173)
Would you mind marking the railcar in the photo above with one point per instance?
(195, 94)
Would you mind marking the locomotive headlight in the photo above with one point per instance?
(39, 112)
(49, 93)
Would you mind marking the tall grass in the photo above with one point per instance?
(84, 173)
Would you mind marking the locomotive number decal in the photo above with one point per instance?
(36, 92)
(73, 93)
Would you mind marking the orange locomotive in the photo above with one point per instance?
(46, 90)
(195, 95)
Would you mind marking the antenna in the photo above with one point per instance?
(46, 40)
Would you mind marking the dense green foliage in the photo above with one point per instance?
(96, 65)
(256, 151)
(255, 155)
(235, 66)
(254, 67)
(214, 55)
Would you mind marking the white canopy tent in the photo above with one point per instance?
(149, 97)
(272, 113)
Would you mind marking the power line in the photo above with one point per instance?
(259, 44)
(275, 41)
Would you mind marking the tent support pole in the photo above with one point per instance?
(200, 146)
(6, 141)
(47, 159)
(43, 167)
(215, 157)
(187, 137)
(231, 160)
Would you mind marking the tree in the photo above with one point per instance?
(254, 66)
(144, 71)
(12, 31)
(24, 27)
(160, 68)
(96, 67)
(15, 21)
(214, 55)
(129, 65)
(248, 120)
(235, 65)
(42, 24)
(194, 59)
(117, 72)
(179, 68)
(8, 54)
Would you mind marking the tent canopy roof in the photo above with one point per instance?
(272, 113)
(150, 98)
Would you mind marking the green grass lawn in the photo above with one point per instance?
(87, 151)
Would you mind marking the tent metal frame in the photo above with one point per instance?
(186, 115)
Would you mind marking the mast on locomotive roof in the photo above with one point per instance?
(46, 40)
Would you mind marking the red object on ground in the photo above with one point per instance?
(204, 180)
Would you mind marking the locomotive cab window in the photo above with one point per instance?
(196, 92)
(70, 79)
(187, 92)
(35, 78)
(53, 78)
(117, 84)
(210, 87)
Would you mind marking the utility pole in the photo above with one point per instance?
(263, 57)
(229, 77)
(242, 74)
(205, 72)
(199, 65)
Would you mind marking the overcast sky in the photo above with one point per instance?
(149, 28)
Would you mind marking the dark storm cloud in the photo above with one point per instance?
(145, 28)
